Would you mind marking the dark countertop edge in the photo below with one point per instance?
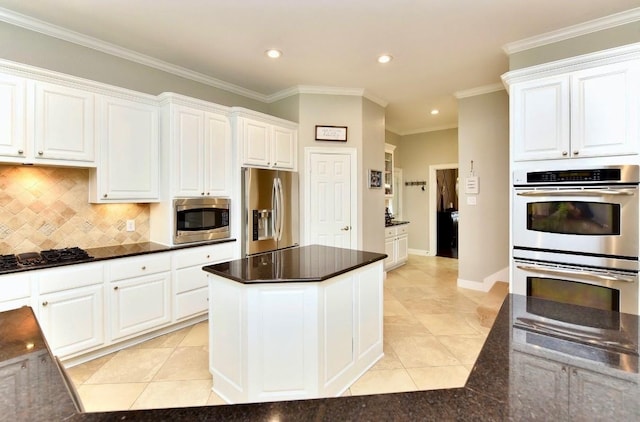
(396, 223)
(211, 270)
(122, 251)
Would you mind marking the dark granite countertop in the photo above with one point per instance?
(312, 263)
(500, 387)
(120, 251)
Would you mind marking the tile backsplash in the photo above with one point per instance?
(47, 207)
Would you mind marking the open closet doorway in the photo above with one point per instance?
(443, 210)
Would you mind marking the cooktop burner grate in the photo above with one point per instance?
(48, 257)
(8, 262)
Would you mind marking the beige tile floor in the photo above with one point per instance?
(432, 338)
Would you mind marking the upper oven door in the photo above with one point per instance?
(600, 220)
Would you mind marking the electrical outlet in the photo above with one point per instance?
(131, 225)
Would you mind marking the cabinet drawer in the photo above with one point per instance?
(389, 231)
(192, 303)
(403, 229)
(190, 278)
(204, 255)
(135, 267)
(14, 286)
(69, 277)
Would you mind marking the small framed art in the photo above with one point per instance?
(331, 133)
(375, 179)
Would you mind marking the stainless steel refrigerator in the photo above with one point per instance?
(270, 210)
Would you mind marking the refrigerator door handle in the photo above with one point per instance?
(280, 209)
(274, 204)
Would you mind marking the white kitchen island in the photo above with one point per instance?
(299, 323)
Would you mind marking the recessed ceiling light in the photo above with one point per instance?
(385, 58)
(273, 53)
(435, 111)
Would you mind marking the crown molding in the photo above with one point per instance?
(481, 90)
(65, 34)
(426, 130)
(325, 90)
(573, 31)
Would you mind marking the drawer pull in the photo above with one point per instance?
(45, 303)
(20, 151)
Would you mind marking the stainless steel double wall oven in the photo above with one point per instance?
(576, 235)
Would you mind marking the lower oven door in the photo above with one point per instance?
(591, 286)
(599, 220)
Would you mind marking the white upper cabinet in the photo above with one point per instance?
(266, 141)
(201, 158)
(581, 114)
(128, 168)
(13, 142)
(45, 123)
(64, 123)
(604, 110)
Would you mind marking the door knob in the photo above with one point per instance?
(346, 228)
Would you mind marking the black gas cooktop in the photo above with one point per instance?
(45, 258)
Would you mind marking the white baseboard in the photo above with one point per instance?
(421, 252)
(487, 283)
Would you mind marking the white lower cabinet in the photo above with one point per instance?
(571, 391)
(190, 282)
(396, 246)
(70, 307)
(15, 291)
(139, 293)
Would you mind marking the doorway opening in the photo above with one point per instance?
(443, 210)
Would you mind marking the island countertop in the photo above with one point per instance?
(311, 263)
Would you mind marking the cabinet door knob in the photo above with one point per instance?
(565, 153)
(115, 288)
(202, 193)
(208, 256)
(104, 196)
(144, 267)
(576, 152)
(564, 369)
(275, 164)
(40, 153)
(20, 151)
(45, 303)
(208, 193)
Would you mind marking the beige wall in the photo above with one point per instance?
(416, 153)
(47, 208)
(483, 137)
(32, 48)
(589, 43)
(373, 120)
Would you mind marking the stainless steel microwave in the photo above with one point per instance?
(200, 219)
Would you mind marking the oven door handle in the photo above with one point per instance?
(578, 192)
(580, 274)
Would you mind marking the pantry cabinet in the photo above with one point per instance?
(265, 141)
(128, 168)
(46, 123)
(586, 113)
(201, 146)
(139, 294)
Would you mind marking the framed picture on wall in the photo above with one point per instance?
(375, 179)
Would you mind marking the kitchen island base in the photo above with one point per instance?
(294, 340)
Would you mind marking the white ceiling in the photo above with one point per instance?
(439, 46)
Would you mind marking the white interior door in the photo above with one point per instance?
(330, 219)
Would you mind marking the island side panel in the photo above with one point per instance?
(227, 339)
(368, 339)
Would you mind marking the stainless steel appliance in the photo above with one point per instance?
(589, 211)
(270, 210)
(200, 219)
(575, 241)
